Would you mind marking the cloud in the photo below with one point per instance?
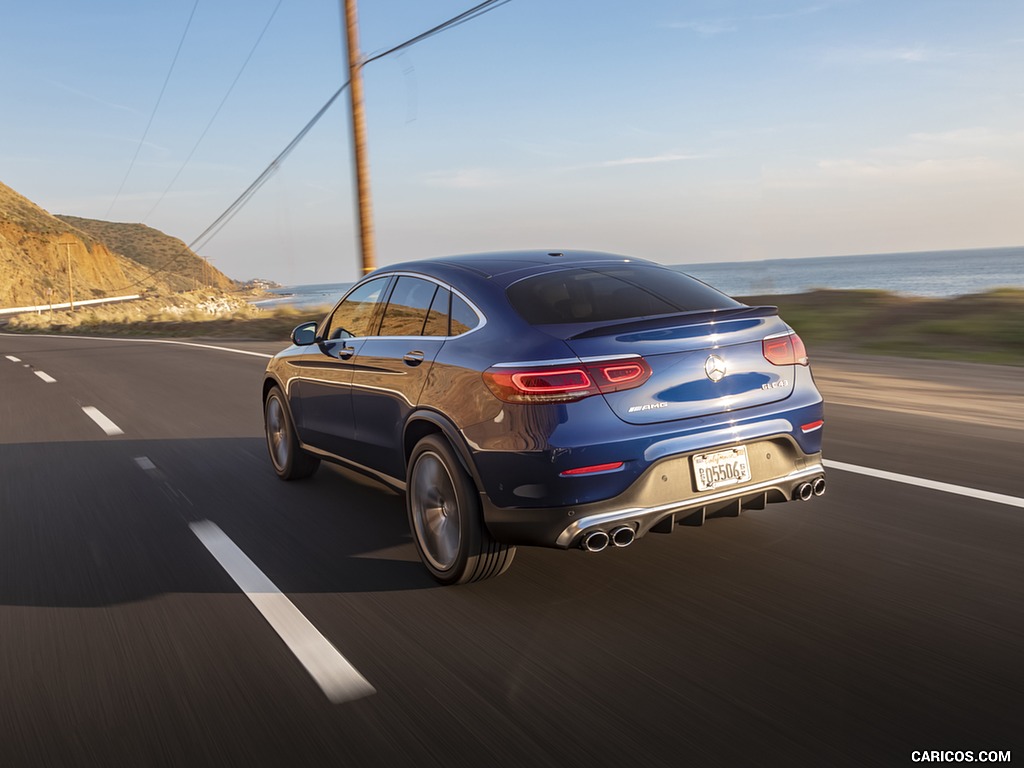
(90, 97)
(975, 154)
(806, 10)
(707, 28)
(970, 137)
(667, 157)
(718, 26)
(910, 171)
(488, 178)
(910, 55)
(463, 178)
(670, 157)
(900, 54)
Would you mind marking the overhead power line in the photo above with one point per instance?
(207, 234)
(356, 62)
(217, 111)
(152, 115)
(462, 18)
(211, 231)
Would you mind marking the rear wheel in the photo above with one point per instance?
(289, 460)
(445, 518)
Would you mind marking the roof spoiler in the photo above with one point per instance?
(683, 318)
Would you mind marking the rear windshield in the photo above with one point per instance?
(608, 293)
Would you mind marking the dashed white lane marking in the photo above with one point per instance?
(935, 485)
(145, 463)
(104, 423)
(13, 359)
(45, 377)
(337, 678)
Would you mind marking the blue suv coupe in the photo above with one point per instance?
(569, 399)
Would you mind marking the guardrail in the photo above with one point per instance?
(67, 305)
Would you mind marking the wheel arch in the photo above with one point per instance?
(269, 382)
(423, 423)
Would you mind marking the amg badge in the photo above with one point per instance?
(647, 407)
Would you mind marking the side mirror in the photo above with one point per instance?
(304, 334)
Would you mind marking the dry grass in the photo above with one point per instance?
(191, 314)
(986, 327)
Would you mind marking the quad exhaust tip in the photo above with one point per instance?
(596, 541)
(805, 491)
(623, 536)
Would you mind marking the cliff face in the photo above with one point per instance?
(37, 249)
(165, 257)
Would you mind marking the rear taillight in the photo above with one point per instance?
(544, 382)
(565, 383)
(784, 350)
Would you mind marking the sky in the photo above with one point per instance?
(683, 132)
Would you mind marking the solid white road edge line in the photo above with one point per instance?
(935, 485)
(45, 377)
(195, 344)
(337, 678)
(104, 423)
(153, 341)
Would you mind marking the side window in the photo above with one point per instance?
(463, 317)
(353, 317)
(437, 316)
(407, 310)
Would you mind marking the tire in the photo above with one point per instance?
(445, 517)
(289, 460)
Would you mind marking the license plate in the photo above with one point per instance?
(721, 468)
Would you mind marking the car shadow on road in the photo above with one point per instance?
(95, 523)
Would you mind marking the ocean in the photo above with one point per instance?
(925, 273)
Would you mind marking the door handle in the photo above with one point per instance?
(413, 358)
(346, 352)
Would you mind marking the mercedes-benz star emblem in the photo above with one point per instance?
(715, 368)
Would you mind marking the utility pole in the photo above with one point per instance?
(71, 285)
(364, 206)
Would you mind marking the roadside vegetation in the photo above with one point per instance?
(982, 328)
(192, 314)
(986, 328)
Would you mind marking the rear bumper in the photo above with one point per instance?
(662, 496)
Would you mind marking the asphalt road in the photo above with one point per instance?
(854, 629)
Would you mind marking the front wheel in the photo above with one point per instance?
(289, 460)
(445, 518)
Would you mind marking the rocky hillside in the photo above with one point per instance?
(163, 256)
(105, 259)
